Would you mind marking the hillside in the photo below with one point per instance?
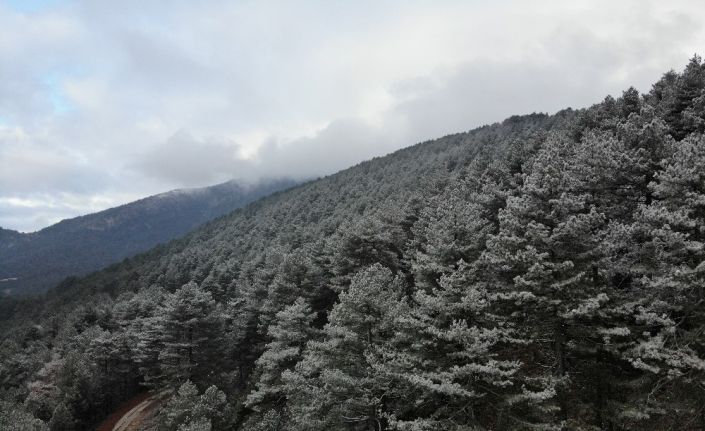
(545, 272)
(34, 262)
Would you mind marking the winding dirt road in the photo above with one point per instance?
(135, 417)
(132, 414)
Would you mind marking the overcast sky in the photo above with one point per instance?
(104, 102)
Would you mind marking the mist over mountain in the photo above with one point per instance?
(100, 107)
(34, 262)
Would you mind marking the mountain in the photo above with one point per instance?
(541, 273)
(34, 262)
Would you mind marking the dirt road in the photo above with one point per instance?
(135, 417)
(132, 414)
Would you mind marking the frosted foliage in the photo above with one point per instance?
(542, 273)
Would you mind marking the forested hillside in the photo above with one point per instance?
(34, 262)
(544, 273)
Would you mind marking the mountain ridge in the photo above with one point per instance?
(38, 260)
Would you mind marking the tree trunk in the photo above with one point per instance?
(559, 346)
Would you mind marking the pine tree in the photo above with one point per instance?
(15, 418)
(630, 102)
(369, 239)
(289, 334)
(295, 277)
(246, 337)
(543, 260)
(187, 323)
(335, 385)
(62, 419)
(680, 97)
(189, 410)
(669, 268)
(445, 359)
(449, 230)
(137, 317)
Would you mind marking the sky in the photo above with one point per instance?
(105, 102)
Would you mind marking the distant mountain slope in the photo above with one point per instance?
(34, 262)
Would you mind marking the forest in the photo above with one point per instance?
(542, 273)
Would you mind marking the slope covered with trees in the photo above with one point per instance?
(543, 273)
(34, 262)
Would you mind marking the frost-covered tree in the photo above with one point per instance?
(630, 102)
(668, 266)
(296, 276)
(680, 98)
(449, 230)
(365, 241)
(187, 323)
(289, 335)
(336, 385)
(446, 360)
(14, 417)
(190, 410)
(543, 260)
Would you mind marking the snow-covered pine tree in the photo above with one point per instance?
(449, 230)
(668, 265)
(187, 322)
(445, 359)
(291, 330)
(188, 410)
(13, 417)
(444, 355)
(295, 277)
(369, 239)
(543, 263)
(335, 386)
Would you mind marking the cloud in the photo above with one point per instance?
(101, 104)
(339, 145)
(43, 209)
(32, 164)
(185, 160)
